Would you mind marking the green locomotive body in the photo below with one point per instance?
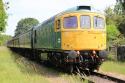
(45, 36)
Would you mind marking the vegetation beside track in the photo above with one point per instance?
(17, 69)
(4, 39)
(12, 71)
(114, 67)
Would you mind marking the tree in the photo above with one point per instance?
(109, 15)
(122, 3)
(112, 34)
(4, 38)
(120, 9)
(121, 26)
(3, 16)
(25, 24)
(113, 19)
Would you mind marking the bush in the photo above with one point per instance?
(112, 34)
(121, 26)
(4, 39)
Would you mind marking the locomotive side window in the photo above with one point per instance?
(99, 22)
(58, 24)
(70, 22)
(85, 22)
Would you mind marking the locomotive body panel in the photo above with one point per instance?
(83, 40)
(45, 37)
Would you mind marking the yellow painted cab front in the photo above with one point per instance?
(83, 31)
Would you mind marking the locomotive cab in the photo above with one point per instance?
(83, 37)
(83, 31)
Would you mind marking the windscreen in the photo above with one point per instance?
(70, 22)
(85, 21)
(99, 23)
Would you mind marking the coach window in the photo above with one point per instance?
(35, 37)
(85, 22)
(99, 22)
(70, 22)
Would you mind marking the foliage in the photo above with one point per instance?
(115, 19)
(3, 16)
(25, 24)
(118, 8)
(109, 15)
(114, 15)
(120, 12)
(114, 36)
(122, 3)
(121, 26)
(112, 32)
(4, 39)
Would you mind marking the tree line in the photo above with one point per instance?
(115, 20)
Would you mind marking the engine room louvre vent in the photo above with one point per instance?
(83, 8)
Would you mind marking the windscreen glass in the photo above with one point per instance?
(70, 22)
(99, 23)
(85, 21)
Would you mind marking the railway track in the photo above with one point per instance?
(91, 77)
(108, 77)
(96, 77)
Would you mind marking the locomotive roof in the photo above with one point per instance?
(71, 10)
(81, 9)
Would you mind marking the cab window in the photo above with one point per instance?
(70, 22)
(99, 22)
(58, 25)
(85, 21)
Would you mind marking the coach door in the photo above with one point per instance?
(34, 41)
(57, 34)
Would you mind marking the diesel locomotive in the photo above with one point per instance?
(75, 37)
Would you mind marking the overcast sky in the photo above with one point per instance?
(43, 9)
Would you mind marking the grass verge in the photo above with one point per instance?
(17, 69)
(13, 70)
(114, 67)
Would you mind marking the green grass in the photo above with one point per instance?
(17, 69)
(13, 70)
(114, 67)
(74, 78)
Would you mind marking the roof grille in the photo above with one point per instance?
(83, 8)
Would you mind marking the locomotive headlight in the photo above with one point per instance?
(58, 40)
